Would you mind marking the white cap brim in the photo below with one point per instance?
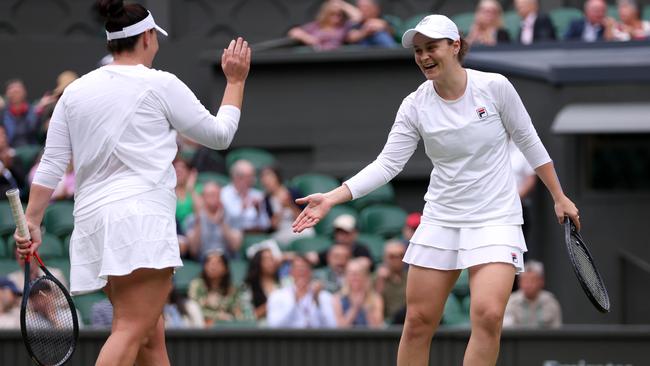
(407, 38)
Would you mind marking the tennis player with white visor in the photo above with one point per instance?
(472, 216)
(117, 124)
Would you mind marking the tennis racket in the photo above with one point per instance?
(48, 318)
(585, 268)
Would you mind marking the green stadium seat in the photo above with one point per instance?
(66, 245)
(461, 288)
(381, 219)
(313, 183)
(184, 275)
(62, 263)
(646, 12)
(258, 157)
(4, 249)
(465, 302)
(454, 314)
(562, 17)
(512, 23)
(397, 24)
(26, 154)
(218, 178)
(324, 226)
(58, 219)
(51, 247)
(383, 194)
(251, 239)
(316, 243)
(235, 324)
(7, 226)
(612, 12)
(84, 304)
(238, 269)
(8, 265)
(375, 244)
(464, 22)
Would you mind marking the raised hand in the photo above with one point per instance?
(236, 61)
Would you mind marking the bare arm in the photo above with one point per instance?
(235, 62)
(563, 205)
(303, 36)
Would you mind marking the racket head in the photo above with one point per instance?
(585, 268)
(48, 320)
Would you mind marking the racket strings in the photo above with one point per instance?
(49, 323)
(587, 270)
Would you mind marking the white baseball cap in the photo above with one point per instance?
(434, 26)
(345, 222)
(135, 29)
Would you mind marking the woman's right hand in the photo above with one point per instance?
(318, 205)
(236, 61)
(28, 246)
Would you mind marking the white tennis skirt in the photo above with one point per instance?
(122, 236)
(451, 248)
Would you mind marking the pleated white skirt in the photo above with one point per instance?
(122, 236)
(451, 248)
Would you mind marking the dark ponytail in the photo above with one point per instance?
(118, 16)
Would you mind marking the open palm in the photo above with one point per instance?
(317, 207)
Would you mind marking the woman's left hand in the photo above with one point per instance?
(565, 207)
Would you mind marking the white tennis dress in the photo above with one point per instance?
(116, 123)
(472, 213)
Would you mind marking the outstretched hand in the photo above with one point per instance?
(318, 205)
(236, 61)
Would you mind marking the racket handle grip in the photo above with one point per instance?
(13, 195)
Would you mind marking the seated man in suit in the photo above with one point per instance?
(535, 26)
(591, 28)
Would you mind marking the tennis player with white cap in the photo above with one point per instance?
(117, 124)
(472, 217)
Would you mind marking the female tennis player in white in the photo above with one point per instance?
(116, 124)
(472, 217)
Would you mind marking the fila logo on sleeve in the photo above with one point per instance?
(481, 112)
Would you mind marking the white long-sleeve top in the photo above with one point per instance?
(117, 123)
(472, 183)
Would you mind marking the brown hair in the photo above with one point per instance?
(464, 47)
(118, 16)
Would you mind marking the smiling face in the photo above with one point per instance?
(435, 56)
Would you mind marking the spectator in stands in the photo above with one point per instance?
(591, 28)
(208, 228)
(101, 314)
(488, 29)
(11, 171)
(19, 118)
(185, 185)
(357, 304)
(331, 27)
(535, 26)
(372, 30)
(18, 276)
(9, 304)
(390, 279)
(526, 180)
(631, 27)
(346, 234)
(45, 106)
(303, 304)
(412, 223)
(243, 204)
(261, 280)
(333, 276)
(181, 312)
(531, 305)
(220, 301)
(281, 207)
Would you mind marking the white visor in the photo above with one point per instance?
(434, 26)
(135, 29)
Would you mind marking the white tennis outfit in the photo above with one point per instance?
(117, 124)
(472, 213)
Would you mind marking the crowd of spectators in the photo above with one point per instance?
(362, 23)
